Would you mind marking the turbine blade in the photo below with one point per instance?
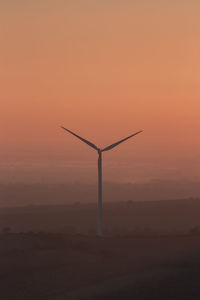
(121, 141)
(82, 139)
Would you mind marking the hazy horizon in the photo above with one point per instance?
(60, 170)
(31, 194)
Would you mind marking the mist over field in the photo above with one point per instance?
(25, 194)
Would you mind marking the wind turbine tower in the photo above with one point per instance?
(100, 169)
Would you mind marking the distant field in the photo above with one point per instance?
(147, 218)
(57, 267)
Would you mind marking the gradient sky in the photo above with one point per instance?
(103, 69)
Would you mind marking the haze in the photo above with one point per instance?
(104, 70)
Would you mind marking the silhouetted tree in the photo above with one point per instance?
(6, 230)
(195, 230)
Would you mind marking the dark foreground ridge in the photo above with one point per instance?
(59, 266)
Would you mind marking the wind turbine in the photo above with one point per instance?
(100, 169)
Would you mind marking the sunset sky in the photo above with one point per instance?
(103, 69)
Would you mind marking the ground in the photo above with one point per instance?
(59, 266)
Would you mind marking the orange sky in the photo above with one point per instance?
(103, 69)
